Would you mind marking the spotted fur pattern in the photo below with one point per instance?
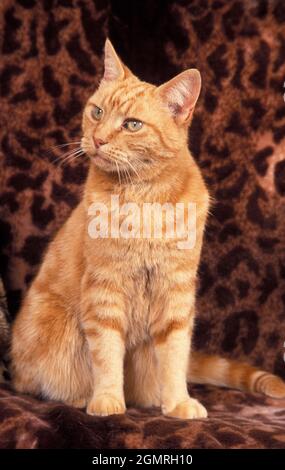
(4, 334)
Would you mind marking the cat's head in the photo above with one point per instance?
(134, 126)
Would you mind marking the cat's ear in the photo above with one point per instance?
(181, 94)
(114, 69)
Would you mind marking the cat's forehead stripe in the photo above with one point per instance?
(129, 101)
(124, 97)
(117, 93)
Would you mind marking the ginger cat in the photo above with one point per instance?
(108, 321)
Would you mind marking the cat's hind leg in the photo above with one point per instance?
(49, 353)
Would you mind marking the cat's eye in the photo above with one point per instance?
(96, 113)
(132, 125)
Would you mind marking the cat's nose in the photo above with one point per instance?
(98, 142)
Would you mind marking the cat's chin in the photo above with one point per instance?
(102, 162)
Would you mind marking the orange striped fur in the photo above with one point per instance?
(109, 321)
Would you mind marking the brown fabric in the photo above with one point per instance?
(51, 62)
(4, 325)
(4, 334)
(236, 420)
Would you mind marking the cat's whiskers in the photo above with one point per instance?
(127, 176)
(60, 157)
(133, 168)
(118, 172)
(126, 161)
(74, 158)
(54, 147)
(70, 158)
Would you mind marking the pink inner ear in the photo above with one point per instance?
(111, 68)
(175, 108)
(178, 96)
(182, 92)
(112, 64)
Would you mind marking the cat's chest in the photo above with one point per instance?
(142, 273)
(140, 303)
(149, 291)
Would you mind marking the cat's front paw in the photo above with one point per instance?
(187, 409)
(105, 405)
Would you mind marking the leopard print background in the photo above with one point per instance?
(4, 334)
(51, 62)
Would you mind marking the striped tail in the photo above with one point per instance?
(215, 370)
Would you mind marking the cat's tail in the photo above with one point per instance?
(215, 370)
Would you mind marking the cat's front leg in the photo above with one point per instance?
(103, 325)
(172, 346)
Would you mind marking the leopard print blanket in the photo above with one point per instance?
(51, 62)
(4, 334)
